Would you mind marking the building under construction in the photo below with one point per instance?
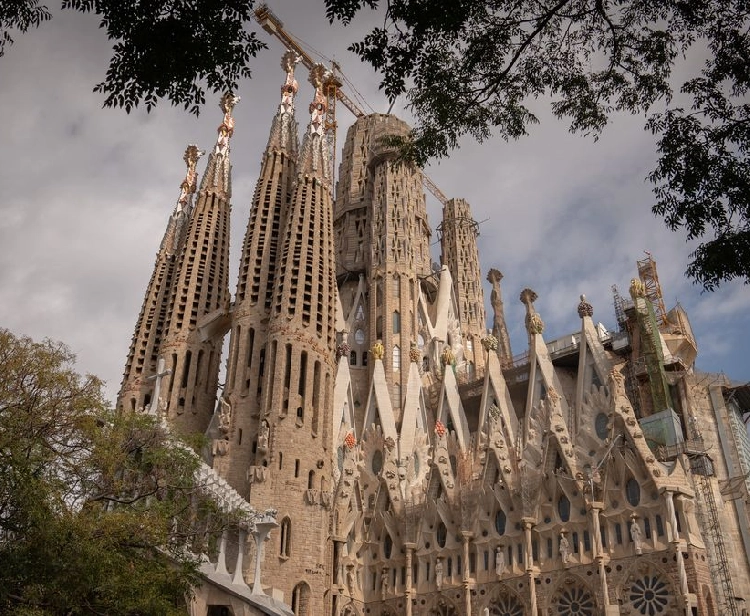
(415, 464)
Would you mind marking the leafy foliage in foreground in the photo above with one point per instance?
(96, 509)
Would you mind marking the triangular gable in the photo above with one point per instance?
(379, 408)
(415, 412)
(450, 406)
(496, 392)
(343, 406)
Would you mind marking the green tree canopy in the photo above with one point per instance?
(96, 509)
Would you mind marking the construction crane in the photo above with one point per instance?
(271, 23)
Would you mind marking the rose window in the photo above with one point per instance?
(649, 595)
(506, 606)
(575, 601)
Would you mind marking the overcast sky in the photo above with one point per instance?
(86, 193)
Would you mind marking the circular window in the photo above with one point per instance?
(649, 595)
(500, 520)
(575, 601)
(600, 425)
(359, 336)
(633, 492)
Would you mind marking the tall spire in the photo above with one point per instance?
(283, 135)
(200, 289)
(217, 176)
(136, 389)
(314, 159)
(297, 389)
(256, 283)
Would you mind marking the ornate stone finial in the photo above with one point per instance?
(226, 128)
(190, 183)
(528, 297)
(290, 87)
(440, 428)
(349, 440)
(494, 276)
(447, 356)
(637, 288)
(342, 350)
(378, 350)
(489, 342)
(584, 308)
(414, 353)
(534, 323)
(319, 106)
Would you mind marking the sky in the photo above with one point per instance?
(85, 194)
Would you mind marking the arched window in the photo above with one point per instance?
(500, 520)
(387, 546)
(396, 358)
(442, 535)
(563, 508)
(310, 480)
(633, 492)
(396, 322)
(285, 538)
(301, 599)
(353, 358)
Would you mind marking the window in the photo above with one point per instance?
(396, 322)
(500, 520)
(563, 508)
(387, 546)
(659, 526)
(442, 535)
(285, 536)
(633, 492)
(353, 358)
(618, 533)
(396, 358)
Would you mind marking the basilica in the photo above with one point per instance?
(412, 463)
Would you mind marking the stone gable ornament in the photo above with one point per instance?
(584, 308)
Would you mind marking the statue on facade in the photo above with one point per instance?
(263, 432)
(439, 573)
(384, 583)
(499, 561)
(636, 534)
(564, 548)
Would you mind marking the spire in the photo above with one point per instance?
(177, 222)
(136, 389)
(217, 179)
(499, 328)
(283, 135)
(314, 158)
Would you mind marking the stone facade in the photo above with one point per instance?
(418, 467)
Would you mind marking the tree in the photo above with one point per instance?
(96, 509)
(470, 67)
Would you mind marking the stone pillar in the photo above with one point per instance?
(595, 508)
(674, 540)
(221, 561)
(528, 523)
(408, 591)
(466, 536)
(238, 578)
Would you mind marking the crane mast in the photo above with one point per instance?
(271, 23)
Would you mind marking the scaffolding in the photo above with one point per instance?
(649, 277)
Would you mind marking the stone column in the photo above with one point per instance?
(595, 508)
(221, 561)
(675, 542)
(408, 591)
(528, 523)
(466, 536)
(238, 578)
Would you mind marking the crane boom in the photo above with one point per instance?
(270, 22)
